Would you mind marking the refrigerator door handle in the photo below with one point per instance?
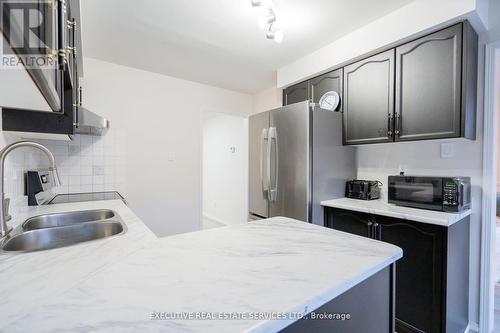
(272, 137)
(263, 146)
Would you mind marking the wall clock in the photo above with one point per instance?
(330, 101)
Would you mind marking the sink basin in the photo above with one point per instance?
(51, 231)
(67, 219)
(54, 237)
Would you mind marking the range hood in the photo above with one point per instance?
(89, 123)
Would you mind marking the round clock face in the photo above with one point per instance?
(330, 101)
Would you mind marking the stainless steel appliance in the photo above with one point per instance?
(362, 189)
(39, 186)
(296, 160)
(449, 194)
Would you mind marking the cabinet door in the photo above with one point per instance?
(327, 82)
(296, 93)
(419, 274)
(428, 86)
(349, 221)
(39, 85)
(368, 99)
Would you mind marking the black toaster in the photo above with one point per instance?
(362, 189)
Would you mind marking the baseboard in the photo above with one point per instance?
(213, 218)
(472, 328)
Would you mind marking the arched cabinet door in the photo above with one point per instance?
(325, 83)
(296, 93)
(368, 99)
(349, 221)
(428, 86)
(419, 274)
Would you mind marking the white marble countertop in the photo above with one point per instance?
(113, 285)
(380, 207)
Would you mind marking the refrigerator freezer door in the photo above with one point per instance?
(289, 164)
(332, 163)
(258, 183)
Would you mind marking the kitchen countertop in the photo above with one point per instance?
(380, 207)
(113, 285)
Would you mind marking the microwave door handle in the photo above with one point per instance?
(461, 193)
(263, 153)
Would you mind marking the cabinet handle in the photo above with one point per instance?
(377, 232)
(71, 24)
(370, 224)
(391, 124)
(398, 123)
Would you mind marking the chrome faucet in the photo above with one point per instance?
(4, 229)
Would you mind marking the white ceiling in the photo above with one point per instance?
(218, 42)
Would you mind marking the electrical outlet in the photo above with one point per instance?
(74, 149)
(402, 169)
(447, 150)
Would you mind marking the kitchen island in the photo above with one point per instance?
(257, 277)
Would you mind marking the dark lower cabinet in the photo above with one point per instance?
(351, 222)
(432, 278)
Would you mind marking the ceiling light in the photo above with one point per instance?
(264, 3)
(265, 21)
(277, 36)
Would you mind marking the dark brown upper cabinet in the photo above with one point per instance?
(296, 93)
(320, 85)
(369, 100)
(432, 78)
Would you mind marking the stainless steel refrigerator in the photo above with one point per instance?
(296, 160)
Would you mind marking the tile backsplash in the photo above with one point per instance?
(85, 164)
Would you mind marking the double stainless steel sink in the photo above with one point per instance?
(63, 229)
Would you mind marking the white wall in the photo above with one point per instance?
(225, 173)
(152, 116)
(160, 117)
(416, 17)
(267, 100)
(494, 21)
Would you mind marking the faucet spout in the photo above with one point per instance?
(4, 229)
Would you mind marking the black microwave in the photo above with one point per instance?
(447, 194)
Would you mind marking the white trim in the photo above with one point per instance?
(213, 218)
(472, 328)
(486, 302)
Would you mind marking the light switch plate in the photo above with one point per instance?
(447, 150)
(171, 156)
(98, 170)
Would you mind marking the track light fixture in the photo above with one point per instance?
(266, 21)
(265, 3)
